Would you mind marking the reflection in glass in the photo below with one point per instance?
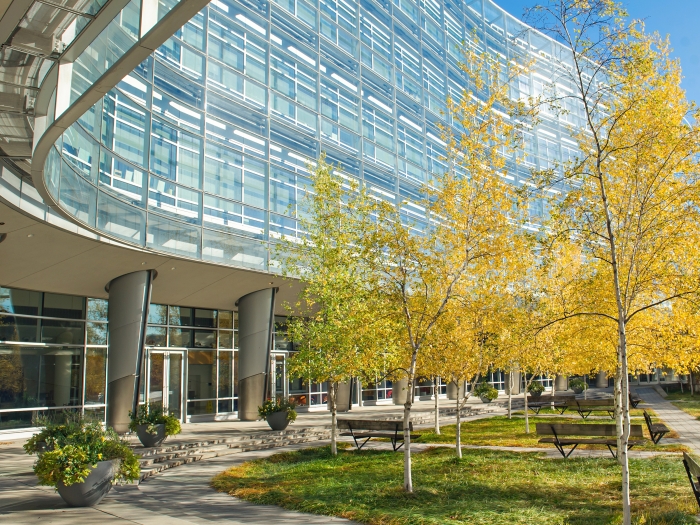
(62, 332)
(95, 375)
(180, 338)
(225, 319)
(225, 374)
(180, 316)
(201, 374)
(67, 306)
(175, 384)
(158, 314)
(204, 339)
(205, 318)
(97, 333)
(39, 376)
(24, 329)
(155, 336)
(21, 302)
(225, 339)
(97, 309)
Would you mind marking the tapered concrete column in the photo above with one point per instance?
(399, 391)
(561, 383)
(453, 392)
(516, 383)
(62, 379)
(256, 318)
(601, 380)
(343, 399)
(129, 298)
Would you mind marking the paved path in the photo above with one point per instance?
(687, 427)
(180, 496)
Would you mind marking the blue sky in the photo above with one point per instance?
(678, 18)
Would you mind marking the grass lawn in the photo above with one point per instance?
(686, 402)
(501, 431)
(483, 488)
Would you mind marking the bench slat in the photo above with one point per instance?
(372, 424)
(592, 403)
(588, 441)
(573, 429)
(692, 465)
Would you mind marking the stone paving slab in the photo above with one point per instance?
(687, 427)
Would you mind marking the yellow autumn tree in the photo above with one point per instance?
(631, 193)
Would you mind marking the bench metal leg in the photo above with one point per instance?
(561, 410)
(563, 452)
(656, 436)
(584, 413)
(359, 447)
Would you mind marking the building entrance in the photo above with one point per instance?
(165, 380)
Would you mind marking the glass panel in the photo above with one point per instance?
(181, 316)
(205, 318)
(298, 391)
(181, 338)
(120, 220)
(21, 329)
(97, 333)
(158, 314)
(204, 339)
(225, 339)
(95, 376)
(62, 332)
(225, 319)
(197, 408)
(156, 379)
(155, 336)
(22, 302)
(237, 251)
(201, 374)
(97, 309)
(225, 406)
(225, 374)
(173, 236)
(68, 306)
(40, 376)
(175, 385)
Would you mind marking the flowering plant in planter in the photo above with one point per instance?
(535, 388)
(152, 415)
(69, 447)
(486, 392)
(578, 385)
(270, 407)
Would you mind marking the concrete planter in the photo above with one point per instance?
(151, 440)
(577, 390)
(91, 491)
(278, 420)
(485, 399)
(536, 394)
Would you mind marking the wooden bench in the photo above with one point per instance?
(574, 435)
(635, 400)
(693, 470)
(371, 428)
(656, 430)
(584, 407)
(559, 403)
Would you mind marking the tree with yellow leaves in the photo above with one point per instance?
(470, 213)
(336, 322)
(631, 199)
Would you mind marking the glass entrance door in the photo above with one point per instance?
(165, 379)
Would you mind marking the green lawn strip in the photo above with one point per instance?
(484, 487)
(686, 402)
(501, 431)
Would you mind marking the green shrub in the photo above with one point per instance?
(578, 383)
(69, 446)
(152, 415)
(486, 390)
(278, 405)
(535, 387)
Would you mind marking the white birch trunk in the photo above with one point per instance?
(407, 478)
(458, 430)
(510, 394)
(332, 393)
(437, 406)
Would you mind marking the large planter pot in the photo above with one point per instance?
(278, 420)
(577, 390)
(485, 399)
(536, 394)
(151, 440)
(91, 491)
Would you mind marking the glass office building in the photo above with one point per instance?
(199, 152)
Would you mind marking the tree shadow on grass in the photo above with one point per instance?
(484, 487)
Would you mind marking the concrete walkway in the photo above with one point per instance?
(181, 496)
(687, 427)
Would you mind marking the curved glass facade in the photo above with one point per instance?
(202, 150)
